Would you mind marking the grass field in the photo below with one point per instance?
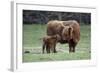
(33, 44)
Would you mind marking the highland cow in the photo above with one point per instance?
(69, 31)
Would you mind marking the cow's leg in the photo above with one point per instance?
(55, 48)
(52, 49)
(70, 47)
(47, 48)
(43, 48)
(74, 45)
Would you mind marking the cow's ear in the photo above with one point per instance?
(70, 32)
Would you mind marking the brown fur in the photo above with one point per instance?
(69, 31)
(49, 42)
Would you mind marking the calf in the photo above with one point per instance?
(49, 42)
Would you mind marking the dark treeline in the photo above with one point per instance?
(42, 17)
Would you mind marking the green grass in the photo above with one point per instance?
(55, 56)
(32, 43)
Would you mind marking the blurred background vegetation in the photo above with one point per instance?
(42, 17)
